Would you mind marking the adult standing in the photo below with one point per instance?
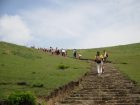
(63, 52)
(74, 53)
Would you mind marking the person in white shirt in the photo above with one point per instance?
(63, 52)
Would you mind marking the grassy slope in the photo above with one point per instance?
(125, 57)
(21, 64)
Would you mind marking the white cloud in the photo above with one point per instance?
(79, 24)
(14, 30)
(118, 34)
(90, 24)
(55, 24)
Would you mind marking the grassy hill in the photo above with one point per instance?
(26, 69)
(125, 57)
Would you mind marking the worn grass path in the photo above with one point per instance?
(111, 88)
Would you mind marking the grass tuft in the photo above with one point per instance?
(22, 83)
(62, 66)
(39, 85)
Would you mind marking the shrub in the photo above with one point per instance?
(21, 83)
(40, 85)
(61, 66)
(21, 98)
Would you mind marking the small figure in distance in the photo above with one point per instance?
(74, 53)
(63, 52)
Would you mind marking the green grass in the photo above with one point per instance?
(126, 58)
(26, 69)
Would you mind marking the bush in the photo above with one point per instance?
(21, 83)
(61, 66)
(39, 85)
(21, 98)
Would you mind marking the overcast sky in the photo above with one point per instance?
(70, 23)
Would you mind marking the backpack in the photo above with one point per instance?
(98, 59)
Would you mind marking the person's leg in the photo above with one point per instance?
(102, 66)
(98, 68)
(75, 55)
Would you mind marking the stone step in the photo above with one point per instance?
(111, 88)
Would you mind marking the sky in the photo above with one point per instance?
(70, 23)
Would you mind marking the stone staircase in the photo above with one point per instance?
(110, 88)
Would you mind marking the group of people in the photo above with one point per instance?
(62, 52)
(100, 59)
(55, 51)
